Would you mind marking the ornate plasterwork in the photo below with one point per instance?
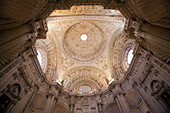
(59, 29)
(73, 18)
(71, 53)
(84, 50)
(102, 62)
(86, 9)
(49, 59)
(118, 51)
(121, 46)
(85, 75)
(85, 88)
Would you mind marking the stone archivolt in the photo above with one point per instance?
(118, 51)
(50, 59)
(85, 75)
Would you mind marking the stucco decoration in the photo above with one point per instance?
(77, 77)
(84, 50)
(49, 55)
(119, 48)
(86, 9)
(42, 57)
(67, 50)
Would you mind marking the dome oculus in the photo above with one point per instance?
(83, 37)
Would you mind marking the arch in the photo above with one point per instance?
(60, 108)
(16, 89)
(135, 102)
(111, 108)
(117, 49)
(85, 73)
(112, 41)
(38, 101)
(49, 47)
(52, 36)
(129, 45)
(94, 86)
(155, 85)
(42, 57)
(81, 68)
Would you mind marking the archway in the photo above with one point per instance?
(111, 108)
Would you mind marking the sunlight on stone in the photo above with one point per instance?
(39, 57)
(130, 56)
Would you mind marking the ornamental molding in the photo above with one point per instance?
(84, 73)
(87, 50)
(97, 18)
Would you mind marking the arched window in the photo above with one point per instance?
(39, 57)
(130, 56)
(42, 58)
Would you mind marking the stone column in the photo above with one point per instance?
(48, 104)
(152, 103)
(100, 108)
(72, 108)
(123, 103)
(119, 105)
(53, 105)
(72, 104)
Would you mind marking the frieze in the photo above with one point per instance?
(145, 72)
(104, 18)
(10, 67)
(161, 65)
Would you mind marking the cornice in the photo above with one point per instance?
(85, 18)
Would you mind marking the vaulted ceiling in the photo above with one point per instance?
(78, 63)
(22, 23)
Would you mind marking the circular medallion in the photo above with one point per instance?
(84, 41)
(85, 89)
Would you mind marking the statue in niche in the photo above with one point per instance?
(85, 109)
(155, 85)
(15, 89)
